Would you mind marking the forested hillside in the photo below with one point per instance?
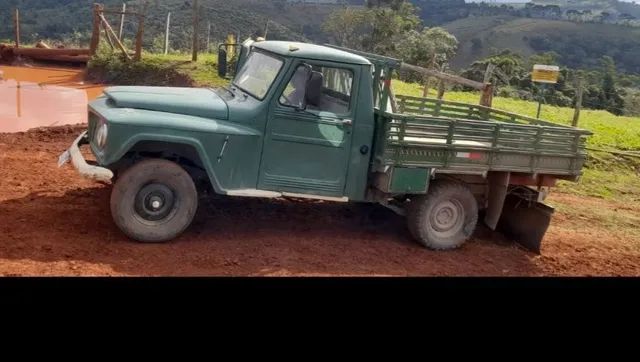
(71, 19)
(578, 45)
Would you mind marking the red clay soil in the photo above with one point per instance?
(52, 222)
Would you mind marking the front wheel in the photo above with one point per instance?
(154, 201)
(444, 218)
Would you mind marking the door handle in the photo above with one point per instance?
(347, 122)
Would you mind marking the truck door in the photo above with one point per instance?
(307, 151)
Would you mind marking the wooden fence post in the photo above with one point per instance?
(166, 34)
(486, 99)
(95, 35)
(425, 90)
(16, 25)
(231, 49)
(196, 20)
(441, 89)
(124, 11)
(208, 37)
(579, 93)
(140, 35)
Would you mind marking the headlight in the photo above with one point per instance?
(101, 134)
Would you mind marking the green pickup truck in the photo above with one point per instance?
(308, 121)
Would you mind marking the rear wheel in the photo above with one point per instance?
(444, 218)
(154, 201)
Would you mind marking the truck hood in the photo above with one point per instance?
(197, 102)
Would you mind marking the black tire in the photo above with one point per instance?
(154, 201)
(444, 218)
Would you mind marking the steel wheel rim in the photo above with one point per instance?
(155, 202)
(447, 218)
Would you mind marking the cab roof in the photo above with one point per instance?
(310, 51)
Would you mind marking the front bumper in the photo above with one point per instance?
(80, 164)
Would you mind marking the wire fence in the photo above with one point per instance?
(167, 29)
(162, 26)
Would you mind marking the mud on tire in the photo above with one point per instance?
(444, 218)
(154, 201)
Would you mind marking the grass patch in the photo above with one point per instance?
(175, 70)
(204, 72)
(605, 184)
(614, 219)
(607, 176)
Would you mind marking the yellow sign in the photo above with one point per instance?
(545, 74)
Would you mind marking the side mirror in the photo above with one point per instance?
(222, 62)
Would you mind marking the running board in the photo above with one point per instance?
(274, 195)
(254, 193)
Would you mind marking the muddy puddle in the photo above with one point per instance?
(32, 97)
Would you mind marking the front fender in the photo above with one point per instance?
(196, 143)
(208, 137)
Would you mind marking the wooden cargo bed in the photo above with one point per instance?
(481, 139)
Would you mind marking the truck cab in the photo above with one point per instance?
(298, 120)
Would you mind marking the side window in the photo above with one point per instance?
(335, 95)
(338, 81)
(293, 95)
(325, 89)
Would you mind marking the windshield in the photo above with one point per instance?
(257, 74)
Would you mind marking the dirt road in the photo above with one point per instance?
(52, 222)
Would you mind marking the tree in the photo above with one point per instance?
(632, 103)
(509, 65)
(348, 27)
(390, 24)
(377, 28)
(610, 98)
(431, 48)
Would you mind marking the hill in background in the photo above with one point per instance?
(580, 45)
(611, 6)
